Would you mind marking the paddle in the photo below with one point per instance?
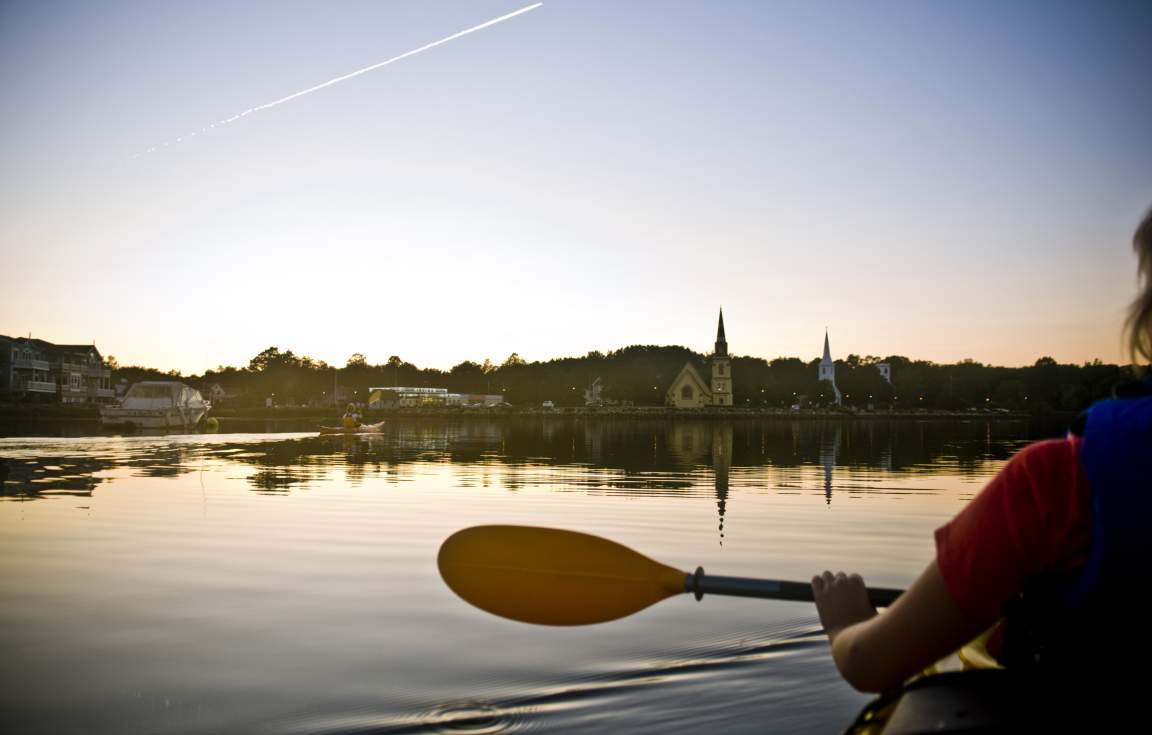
(550, 576)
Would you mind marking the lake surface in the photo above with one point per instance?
(287, 583)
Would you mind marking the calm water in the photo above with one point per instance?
(286, 583)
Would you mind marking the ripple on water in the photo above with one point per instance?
(464, 716)
(475, 716)
(644, 691)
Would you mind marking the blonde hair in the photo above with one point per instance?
(1139, 323)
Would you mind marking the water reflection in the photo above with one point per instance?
(185, 604)
(721, 464)
(659, 457)
(829, 448)
(43, 476)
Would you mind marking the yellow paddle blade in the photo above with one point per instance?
(550, 576)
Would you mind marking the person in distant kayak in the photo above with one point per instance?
(351, 418)
(1058, 546)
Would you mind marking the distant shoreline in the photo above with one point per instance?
(330, 416)
(663, 412)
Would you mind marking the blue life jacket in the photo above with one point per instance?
(1116, 455)
(1072, 625)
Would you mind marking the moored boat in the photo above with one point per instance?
(157, 404)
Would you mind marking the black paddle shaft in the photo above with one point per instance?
(701, 584)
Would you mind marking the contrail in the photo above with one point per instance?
(337, 80)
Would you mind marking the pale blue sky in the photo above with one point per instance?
(940, 180)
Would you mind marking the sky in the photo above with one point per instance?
(938, 180)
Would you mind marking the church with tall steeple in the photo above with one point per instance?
(690, 390)
(827, 368)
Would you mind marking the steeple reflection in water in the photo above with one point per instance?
(829, 449)
(721, 464)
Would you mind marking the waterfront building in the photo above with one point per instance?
(34, 370)
(82, 375)
(398, 395)
(690, 390)
(409, 397)
(25, 370)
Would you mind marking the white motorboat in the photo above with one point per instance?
(157, 404)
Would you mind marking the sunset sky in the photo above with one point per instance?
(937, 180)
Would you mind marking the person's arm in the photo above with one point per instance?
(874, 651)
(1033, 516)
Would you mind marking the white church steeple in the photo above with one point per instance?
(827, 369)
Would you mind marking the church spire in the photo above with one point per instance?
(827, 369)
(721, 342)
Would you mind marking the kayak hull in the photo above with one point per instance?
(975, 701)
(362, 429)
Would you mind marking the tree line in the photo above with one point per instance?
(641, 375)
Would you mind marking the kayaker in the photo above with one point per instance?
(351, 418)
(1058, 545)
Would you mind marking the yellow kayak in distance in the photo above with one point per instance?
(361, 429)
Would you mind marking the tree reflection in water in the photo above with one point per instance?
(657, 456)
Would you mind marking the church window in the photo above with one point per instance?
(721, 366)
(686, 392)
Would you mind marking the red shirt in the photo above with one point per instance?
(1034, 516)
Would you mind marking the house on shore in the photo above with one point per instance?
(36, 371)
